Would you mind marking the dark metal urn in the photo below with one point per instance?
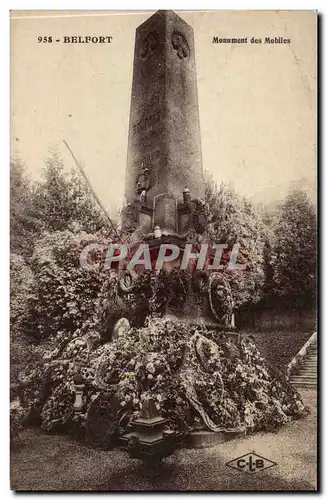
(148, 437)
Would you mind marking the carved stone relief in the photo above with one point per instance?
(180, 45)
(143, 181)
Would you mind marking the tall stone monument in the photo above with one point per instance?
(164, 176)
(164, 190)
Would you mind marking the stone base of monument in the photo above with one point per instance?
(207, 439)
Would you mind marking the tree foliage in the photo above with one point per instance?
(22, 210)
(63, 199)
(58, 201)
(234, 220)
(294, 257)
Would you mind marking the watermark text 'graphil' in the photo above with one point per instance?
(211, 257)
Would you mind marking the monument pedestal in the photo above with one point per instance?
(148, 437)
(207, 439)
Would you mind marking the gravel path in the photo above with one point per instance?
(45, 463)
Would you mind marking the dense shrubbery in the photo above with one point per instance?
(65, 293)
(21, 289)
(48, 291)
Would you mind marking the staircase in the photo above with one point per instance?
(305, 373)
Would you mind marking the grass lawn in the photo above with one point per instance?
(279, 347)
(55, 463)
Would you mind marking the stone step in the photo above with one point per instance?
(304, 383)
(306, 368)
(305, 386)
(305, 375)
(308, 379)
(312, 380)
(303, 380)
(302, 366)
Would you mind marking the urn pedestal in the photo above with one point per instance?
(148, 438)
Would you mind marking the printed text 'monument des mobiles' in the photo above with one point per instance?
(243, 41)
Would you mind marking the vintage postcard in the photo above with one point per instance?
(163, 197)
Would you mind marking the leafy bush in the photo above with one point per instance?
(21, 290)
(65, 294)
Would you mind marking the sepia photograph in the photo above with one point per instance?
(163, 251)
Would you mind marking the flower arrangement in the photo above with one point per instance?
(230, 386)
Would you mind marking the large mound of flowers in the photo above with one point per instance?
(197, 379)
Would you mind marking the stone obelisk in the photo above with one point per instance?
(164, 175)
